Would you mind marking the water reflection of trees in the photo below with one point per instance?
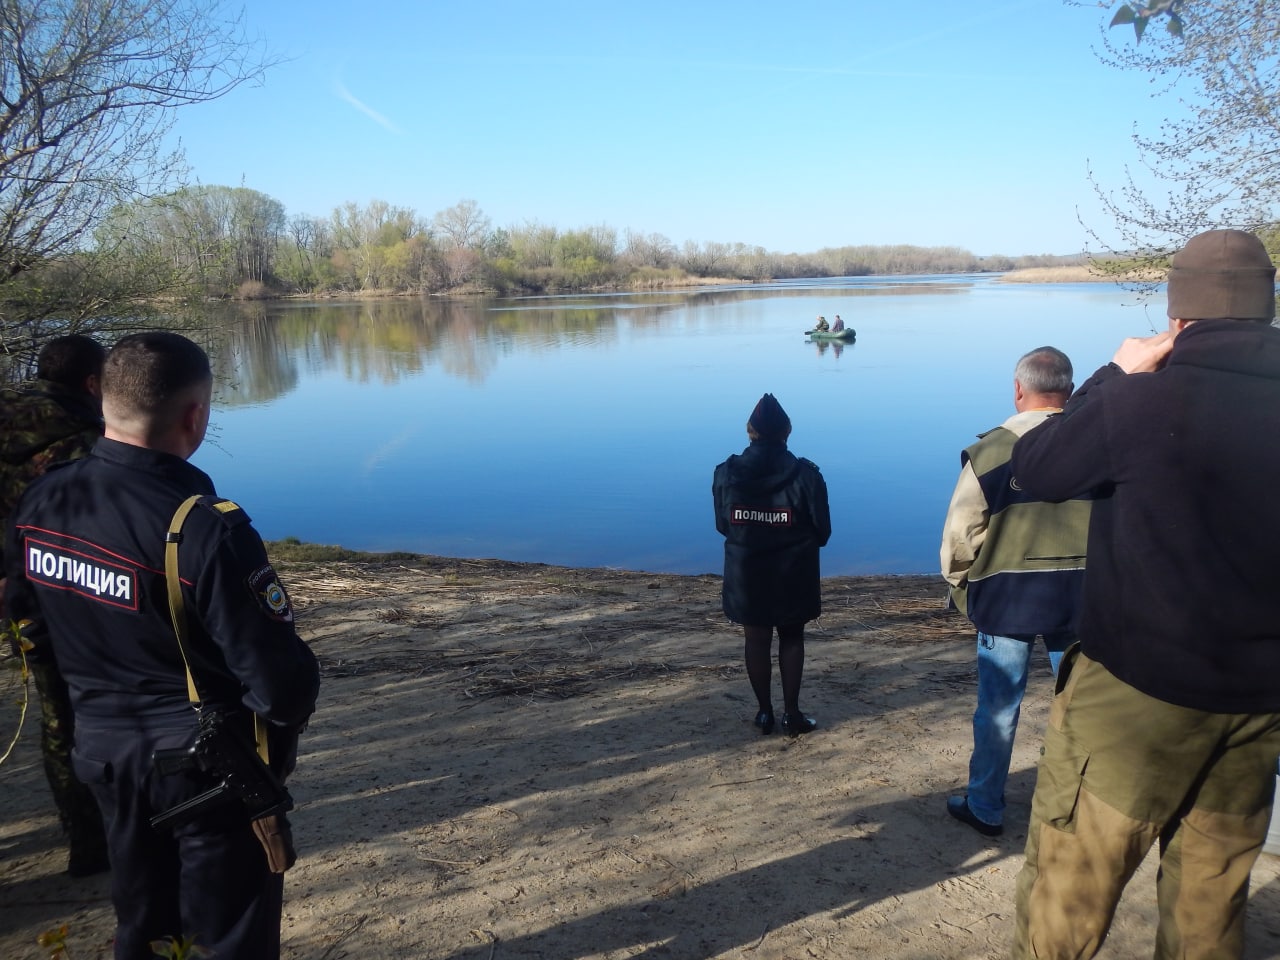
(263, 348)
(250, 364)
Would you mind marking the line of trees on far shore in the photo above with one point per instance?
(235, 242)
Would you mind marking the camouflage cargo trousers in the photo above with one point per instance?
(1119, 770)
(77, 809)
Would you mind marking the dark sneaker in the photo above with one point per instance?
(958, 807)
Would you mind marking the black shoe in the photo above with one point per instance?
(764, 720)
(958, 807)
(794, 724)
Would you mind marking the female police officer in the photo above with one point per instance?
(771, 507)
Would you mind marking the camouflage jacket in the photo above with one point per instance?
(41, 423)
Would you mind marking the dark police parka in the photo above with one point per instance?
(771, 507)
(86, 564)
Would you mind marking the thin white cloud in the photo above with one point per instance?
(345, 94)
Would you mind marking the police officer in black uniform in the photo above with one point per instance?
(85, 565)
(772, 508)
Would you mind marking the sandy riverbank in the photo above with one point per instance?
(524, 761)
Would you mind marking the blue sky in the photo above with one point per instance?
(794, 127)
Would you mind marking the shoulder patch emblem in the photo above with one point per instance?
(270, 594)
(226, 506)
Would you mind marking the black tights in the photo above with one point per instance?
(790, 664)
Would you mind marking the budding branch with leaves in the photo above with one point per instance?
(1140, 16)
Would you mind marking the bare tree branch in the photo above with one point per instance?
(88, 89)
(1216, 161)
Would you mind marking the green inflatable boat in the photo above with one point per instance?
(847, 335)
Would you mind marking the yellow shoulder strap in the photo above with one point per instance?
(178, 614)
(177, 611)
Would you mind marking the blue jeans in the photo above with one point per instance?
(1002, 680)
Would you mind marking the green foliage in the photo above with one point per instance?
(386, 249)
(533, 245)
(237, 243)
(377, 247)
(505, 277)
(183, 948)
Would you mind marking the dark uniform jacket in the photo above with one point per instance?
(772, 508)
(85, 562)
(1180, 597)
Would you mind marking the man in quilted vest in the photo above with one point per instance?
(1015, 565)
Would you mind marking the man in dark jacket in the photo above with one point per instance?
(1168, 722)
(57, 417)
(771, 507)
(86, 563)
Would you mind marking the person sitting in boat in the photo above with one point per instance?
(821, 325)
(838, 326)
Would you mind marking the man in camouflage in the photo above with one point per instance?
(57, 417)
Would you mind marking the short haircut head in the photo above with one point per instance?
(70, 360)
(1044, 370)
(147, 375)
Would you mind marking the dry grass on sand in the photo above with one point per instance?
(1081, 273)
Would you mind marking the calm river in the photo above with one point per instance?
(583, 430)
